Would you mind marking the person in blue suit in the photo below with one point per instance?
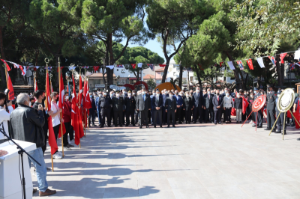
(92, 110)
(97, 97)
(179, 107)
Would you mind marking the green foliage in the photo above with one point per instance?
(151, 84)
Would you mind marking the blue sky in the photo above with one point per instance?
(152, 45)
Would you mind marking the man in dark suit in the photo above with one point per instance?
(164, 114)
(105, 109)
(197, 99)
(188, 107)
(271, 103)
(208, 106)
(130, 108)
(143, 104)
(157, 104)
(218, 104)
(92, 110)
(179, 107)
(171, 109)
(118, 103)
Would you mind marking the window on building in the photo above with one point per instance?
(191, 79)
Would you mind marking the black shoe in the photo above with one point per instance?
(274, 130)
(154, 126)
(220, 122)
(127, 125)
(168, 126)
(174, 126)
(147, 126)
(284, 132)
(141, 127)
(267, 129)
(215, 123)
(133, 125)
(194, 122)
(259, 126)
(278, 131)
(160, 126)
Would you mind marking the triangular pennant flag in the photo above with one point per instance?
(140, 65)
(11, 94)
(96, 68)
(151, 66)
(231, 66)
(240, 64)
(110, 67)
(282, 56)
(250, 64)
(260, 62)
(272, 59)
(133, 66)
(297, 55)
(162, 65)
(7, 66)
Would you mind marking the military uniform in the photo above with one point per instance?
(105, 109)
(271, 104)
(130, 109)
(118, 110)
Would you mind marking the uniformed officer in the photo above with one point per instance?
(171, 109)
(271, 104)
(258, 115)
(281, 117)
(118, 109)
(130, 108)
(105, 109)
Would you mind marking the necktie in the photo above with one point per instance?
(144, 97)
(218, 98)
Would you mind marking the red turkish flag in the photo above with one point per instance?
(74, 115)
(133, 66)
(7, 66)
(51, 138)
(11, 94)
(244, 105)
(282, 56)
(96, 68)
(162, 65)
(86, 96)
(61, 102)
(250, 64)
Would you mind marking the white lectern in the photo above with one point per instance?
(11, 170)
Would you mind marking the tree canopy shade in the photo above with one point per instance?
(112, 21)
(174, 21)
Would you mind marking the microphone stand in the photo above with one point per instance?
(20, 152)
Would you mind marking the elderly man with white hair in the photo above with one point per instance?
(27, 124)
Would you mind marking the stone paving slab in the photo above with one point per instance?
(186, 162)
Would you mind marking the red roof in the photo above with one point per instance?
(148, 76)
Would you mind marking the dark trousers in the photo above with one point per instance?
(171, 113)
(179, 114)
(92, 117)
(188, 115)
(270, 118)
(112, 115)
(155, 114)
(208, 115)
(136, 116)
(143, 117)
(217, 114)
(68, 132)
(149, 116)
(56, 131)
(99, 116)
(227, 114)
(197, 114)
(164, 115)
(130, 113)
(45, 129)
(105, 112)
(259, 118)
(118, 115)
(280, 121)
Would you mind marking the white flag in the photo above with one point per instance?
(231, 66)
(260, 62)
(110, 67)
(297, 55)
(140, 65)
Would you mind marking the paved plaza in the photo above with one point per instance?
(190, 161)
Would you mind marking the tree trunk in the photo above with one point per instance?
(109, 72)
(2, 70)
(198, 76)
(180, 77)
(166, 70)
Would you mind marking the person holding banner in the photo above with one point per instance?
(281, 116)
(258, 115)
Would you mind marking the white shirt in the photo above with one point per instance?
(56, 119)
(4, 117)
(227, 102)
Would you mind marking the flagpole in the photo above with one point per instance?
(61, 97)
(46, 60)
